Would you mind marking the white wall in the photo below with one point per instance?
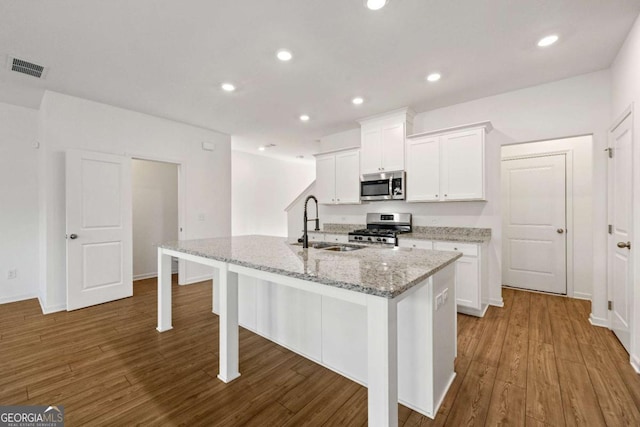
(155, 212)
(67, 122)
(261, 189)
(19, 202)
(575, 106)
(579, 154)
(625, 73)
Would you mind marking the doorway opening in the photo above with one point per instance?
(547, 224)
(156, 213)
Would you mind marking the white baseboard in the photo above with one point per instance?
(151, 275)
(52, 308)
(635, 362)
(598, 321)
(192, 280)
(17, 298)
(496, 302)
(582, 295)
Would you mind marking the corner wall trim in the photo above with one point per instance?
(496, 302)
(635, 363)
(51, 309)
(598, 321)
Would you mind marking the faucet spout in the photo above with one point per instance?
(305, 235)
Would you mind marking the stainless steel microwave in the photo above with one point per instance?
(382, 186)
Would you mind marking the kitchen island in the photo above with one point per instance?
(405, 298)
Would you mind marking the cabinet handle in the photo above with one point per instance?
(414, 246)
(436, 195)
(445, 195)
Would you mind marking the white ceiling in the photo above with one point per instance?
(168, 58)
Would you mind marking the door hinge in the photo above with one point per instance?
(610, 305)
(610, 229)
(610, 152)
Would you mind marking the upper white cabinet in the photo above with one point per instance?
(383, 141)
(447, 165)
(338, 177)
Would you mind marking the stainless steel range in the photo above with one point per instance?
(382, 228)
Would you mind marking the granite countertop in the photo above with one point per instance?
(385, 272)
(442, 234)
(449, 234)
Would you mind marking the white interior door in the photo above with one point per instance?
(620, 219)
(99, 234)
(534, 223)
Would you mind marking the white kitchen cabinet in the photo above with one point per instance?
(383, 141)
(339, 238)
(338, 177)
(423, 170)
(415, 243)
(472, 286)
(447, 165)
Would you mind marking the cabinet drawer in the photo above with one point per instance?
(418, 244)
(316, 237)
(468, 249)
(340, 238)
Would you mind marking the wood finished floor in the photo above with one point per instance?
(535, 362)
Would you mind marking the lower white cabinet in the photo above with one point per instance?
(417, 243)
(472, 285)
(339, 238)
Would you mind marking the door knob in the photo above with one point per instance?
(560, 230)
(73, 236)
(623, 245)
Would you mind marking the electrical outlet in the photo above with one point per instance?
(438, 301)
(12, 274)
(201, 217)
(445, 295)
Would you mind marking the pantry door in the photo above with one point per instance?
(534, 223)
(99, 231)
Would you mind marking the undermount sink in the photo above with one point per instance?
(333, 247)
(343, 248)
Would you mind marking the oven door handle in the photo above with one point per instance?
(391, 188)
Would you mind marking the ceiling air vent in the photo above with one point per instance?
(26, 67)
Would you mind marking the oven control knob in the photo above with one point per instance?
(379, 239)
(369, 238)
(384, 240)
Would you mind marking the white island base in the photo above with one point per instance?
(402, 349)
(333, 332)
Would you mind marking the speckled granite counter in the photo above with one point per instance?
(449, 234)
(338, 228)
(385, 272)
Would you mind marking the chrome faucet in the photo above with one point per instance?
(305, 236)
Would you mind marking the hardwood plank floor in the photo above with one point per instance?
(537, 361)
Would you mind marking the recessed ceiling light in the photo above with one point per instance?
(304, 118)
(433, 77)
(300, 156)
(228, 87)
(376, 4)
(284, 55)
(357, 100)
(548, 40)
(262, 148)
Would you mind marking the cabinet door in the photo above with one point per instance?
(339, 238)
(370, 151)
(392, 147)
(326, 179)
(423, 170)
(347, 182)
(467, 282)
(417, 244)
(462, 168)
